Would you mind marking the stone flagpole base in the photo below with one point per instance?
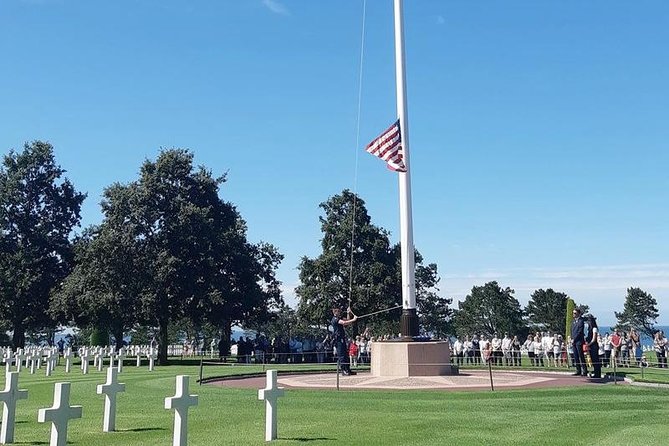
(414, 358)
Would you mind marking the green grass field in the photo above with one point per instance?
(595, 415)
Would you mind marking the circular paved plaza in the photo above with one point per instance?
(467, 380)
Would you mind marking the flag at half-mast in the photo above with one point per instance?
(388, 147)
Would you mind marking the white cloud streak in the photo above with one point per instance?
(276, 7)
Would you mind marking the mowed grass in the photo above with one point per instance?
(591, 415)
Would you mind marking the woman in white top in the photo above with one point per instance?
(538, 350)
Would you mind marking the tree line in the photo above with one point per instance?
(170, 253)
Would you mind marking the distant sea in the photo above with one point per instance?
(645, 340)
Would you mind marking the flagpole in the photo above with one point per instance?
(409, 318)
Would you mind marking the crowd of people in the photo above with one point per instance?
(585, 349)
(547, 349)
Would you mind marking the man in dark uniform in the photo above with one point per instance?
(339, 334)
(577, 340)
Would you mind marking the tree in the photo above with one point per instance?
(434, 311)
(329, 280)
(546, 308)
(639, 311)
(103, 288)
(488, 310)
(38, 210)
(357, 262)
(195, 261)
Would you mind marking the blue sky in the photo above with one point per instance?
(538, 130)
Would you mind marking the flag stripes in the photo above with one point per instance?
(388, 147)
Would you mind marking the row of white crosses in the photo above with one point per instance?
(61, 412)
(98, 354)
(32, 358)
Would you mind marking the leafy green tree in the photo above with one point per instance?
(38, 210)
(328, 280)
(103, 288)
(194, 260)
(357, 262)
(546, 308)
(639, 311)
(489, 309)
(434, 311)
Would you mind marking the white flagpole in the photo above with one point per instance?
(409, 321)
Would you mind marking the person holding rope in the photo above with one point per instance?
(339, 334)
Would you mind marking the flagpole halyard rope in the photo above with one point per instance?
(357, 144)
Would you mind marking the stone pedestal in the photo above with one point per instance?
(412, 358)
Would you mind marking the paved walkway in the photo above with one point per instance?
(467, 380)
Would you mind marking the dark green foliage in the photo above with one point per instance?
(489, 309)
(38, 210)
(169, 250)
(546, 310)
(373, 282)
(639, 312)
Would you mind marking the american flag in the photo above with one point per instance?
(388, 147)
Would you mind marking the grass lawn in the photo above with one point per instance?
(600, 414)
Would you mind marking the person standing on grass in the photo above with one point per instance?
(476, 349)
(659, 345)
(616, 342)
(578, 339)
(459, 349)
(515, 351)
(339, 334)
(593, 346)
(607, 350)
(529, 346)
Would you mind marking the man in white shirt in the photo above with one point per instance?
(506, 349)
(496, 350)
(458, 348)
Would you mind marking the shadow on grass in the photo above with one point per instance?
(142, 429)
(32, 442)
(306, 439)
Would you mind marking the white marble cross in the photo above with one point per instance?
(270, 394)
(59, 414)
(110, 389)
(85, 357)
(9, 361)
(20, 357)
(120, 357)
(180, 402)
(9, 397)
(50, 361)
(153, 355)
(68, 355)
(99, 360)
(139, 357)
(32, 361)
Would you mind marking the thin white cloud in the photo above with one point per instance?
(276, 7)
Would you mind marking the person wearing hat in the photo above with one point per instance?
(339, 334)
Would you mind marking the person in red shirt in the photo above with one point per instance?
(616, 342)
(353, 353)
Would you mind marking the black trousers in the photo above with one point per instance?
(579, 358)
(342, 356)
(596, 360)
